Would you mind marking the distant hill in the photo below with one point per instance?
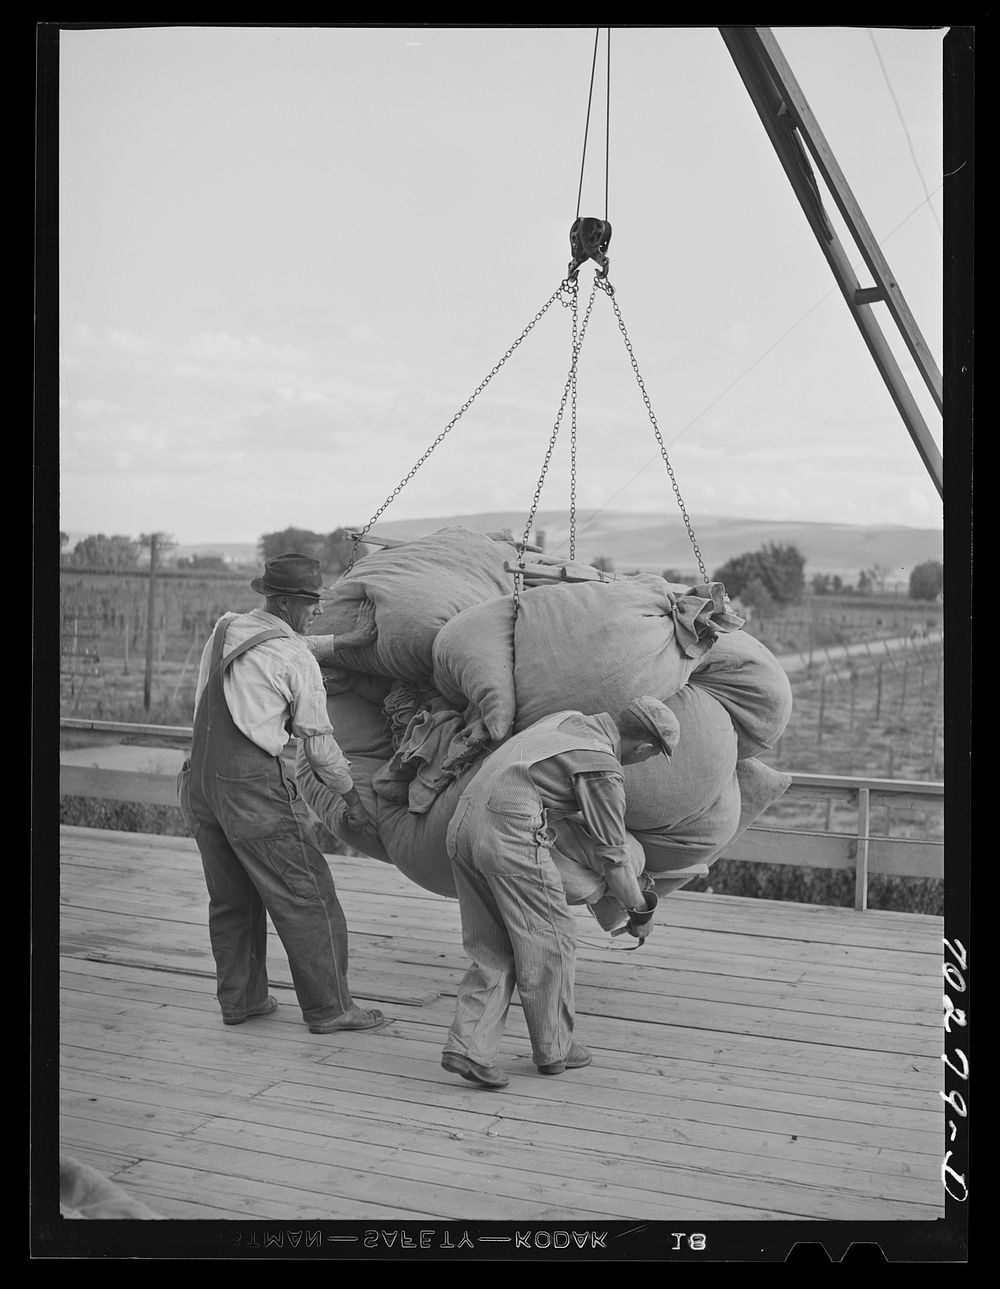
(238, 554)
(654, 542)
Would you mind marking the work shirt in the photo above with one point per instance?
(589, 782)
(596, 836)
(275, 691)
(584, 780)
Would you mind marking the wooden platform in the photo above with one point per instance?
(755, 1061)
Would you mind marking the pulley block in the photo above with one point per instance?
(588, 240)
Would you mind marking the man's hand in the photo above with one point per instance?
(640, 921)
(358, 817)
(365, 631)
(360, 821)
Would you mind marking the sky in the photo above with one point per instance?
(289, 255)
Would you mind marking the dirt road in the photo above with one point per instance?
(872, 651)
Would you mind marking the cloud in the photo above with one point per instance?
(294, 421)
(362, 331)
(110, 345)
(222, 347)
(90, 409)
(125, 343)
(737, 335)
(192, 405)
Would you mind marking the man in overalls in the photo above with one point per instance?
(259, 684)
(517, 927)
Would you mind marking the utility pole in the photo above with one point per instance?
(156, 542)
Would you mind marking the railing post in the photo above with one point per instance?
(147, 689)
(822, 704)
(861, 859)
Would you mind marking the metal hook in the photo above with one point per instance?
(588, 240)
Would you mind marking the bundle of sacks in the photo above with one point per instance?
(454, 671)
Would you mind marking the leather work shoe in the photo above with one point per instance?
(575, 1059)
(487, 1076)
(269, 1005)
(361, 1020)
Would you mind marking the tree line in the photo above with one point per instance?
(772, 577)
(121, 553)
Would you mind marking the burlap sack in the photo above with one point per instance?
(363, 735)
(359, 726)
(416, 588)
(573, 855)
(85, 1194)
(705, 838)
(697, 838)
(760, 787)
(444, 611)
(417, 843)
(330, 808)
(661, 793)
(473, 660)
(751, 684)
(584, 646)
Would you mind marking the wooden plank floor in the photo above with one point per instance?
(755, 1061)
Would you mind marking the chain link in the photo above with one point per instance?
(559, 294)
(577, 346)
(567, 293)
(609, 291)
(572, 448)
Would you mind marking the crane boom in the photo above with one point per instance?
(792, 129)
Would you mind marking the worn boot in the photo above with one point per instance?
(575, 1059)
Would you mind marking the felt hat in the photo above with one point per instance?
(290, 574)
(658, 719)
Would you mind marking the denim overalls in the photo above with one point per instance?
(259, 853)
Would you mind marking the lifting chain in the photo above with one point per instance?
(565, 289)
(570, 286)
(607, 288)
(572, 440)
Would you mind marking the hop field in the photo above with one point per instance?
(878, 714)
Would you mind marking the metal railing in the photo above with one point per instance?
(856, 845)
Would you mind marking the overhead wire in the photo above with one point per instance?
(579, 200)
(580, 240)
(594, 515)
(570, 389)
(586, 127)
(607, 125)
(906, 131)
(571, 383)
(607, 120)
